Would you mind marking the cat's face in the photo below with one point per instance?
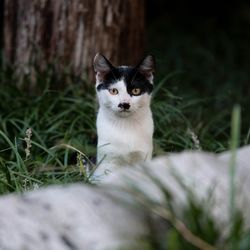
(124, 90)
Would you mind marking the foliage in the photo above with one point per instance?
(55, 118)
(203, 72)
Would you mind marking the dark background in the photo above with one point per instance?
(1, 23)
(208, 40)
(190, 12)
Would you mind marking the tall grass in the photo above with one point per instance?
(55, 118)
(202, 71)
(68, 117)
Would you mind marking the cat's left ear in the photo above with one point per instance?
(147, 67)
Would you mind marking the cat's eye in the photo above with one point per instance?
(113, 91)
(136, 91)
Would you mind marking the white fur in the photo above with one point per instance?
(123, 137)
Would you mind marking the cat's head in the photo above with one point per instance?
(124, 90)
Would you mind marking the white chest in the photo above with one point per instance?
(123, 138)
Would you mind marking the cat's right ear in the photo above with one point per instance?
(102, 66)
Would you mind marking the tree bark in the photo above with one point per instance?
(68, 33)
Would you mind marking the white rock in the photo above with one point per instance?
(98, 218)
(69, 217)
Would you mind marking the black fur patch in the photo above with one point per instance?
(132, 78)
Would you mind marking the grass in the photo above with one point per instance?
(198, 82)
(55, 118)
(205, 66)
(68, 117)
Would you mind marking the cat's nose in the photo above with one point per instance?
(124, 105)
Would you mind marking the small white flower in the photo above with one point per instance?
(28, 142)
(35, 186)
(194, 138)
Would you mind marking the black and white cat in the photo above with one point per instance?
(124, 121)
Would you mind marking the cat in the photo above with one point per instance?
(124, 120)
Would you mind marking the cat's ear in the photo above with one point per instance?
(102, 66)
(147, 67)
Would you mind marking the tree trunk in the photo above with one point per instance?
(67, 34)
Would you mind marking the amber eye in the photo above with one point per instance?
(113, 91)
(136, 91)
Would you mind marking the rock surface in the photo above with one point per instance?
(106, 216)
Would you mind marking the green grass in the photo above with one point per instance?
(68, 117)
(56, 118)
(197, 84)
(206, 71)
